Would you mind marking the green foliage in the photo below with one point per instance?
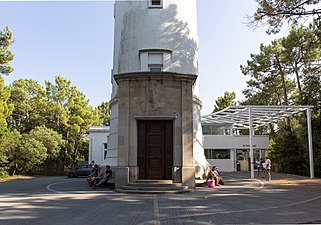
(48, 124)
(317, 147)
(287, 72)
(278, 71)
(70, 114)
(4, 173)
(9, 147)
(50, 139)
(6, 39)
(21, 152)
(30, 153)
(301, 54)
(290, 153)
(311, 93)
(274, 13)
(225, 101)
(5, 107)
(269, 84)
(103, 112)
(28, 98)
(42, 124)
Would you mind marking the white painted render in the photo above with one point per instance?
(113, 134)
(235, 141)
(224, 165)
(170, 30)
(97, 138)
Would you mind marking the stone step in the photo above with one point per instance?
(154, 187)
(200, 182)
(121, 190)
(155, 181)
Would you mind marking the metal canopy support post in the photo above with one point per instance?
(251, 142)
(310, 143)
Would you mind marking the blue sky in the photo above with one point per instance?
(75, 40)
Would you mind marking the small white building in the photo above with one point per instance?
(231, 152)
(98, 136)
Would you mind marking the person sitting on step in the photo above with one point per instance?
(106, 177)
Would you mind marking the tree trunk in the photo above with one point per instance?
(286, 102)
(14, 169)
(74, 157)
(285, 95)
(298, 81)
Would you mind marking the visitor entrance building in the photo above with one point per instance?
(155, 130)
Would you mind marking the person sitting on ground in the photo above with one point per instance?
(97, 178)
(212, 175)
(106, 177)
(219, 175)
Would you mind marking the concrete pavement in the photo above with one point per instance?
(287, 199)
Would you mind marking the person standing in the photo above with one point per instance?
(259, 167)
(268, 167)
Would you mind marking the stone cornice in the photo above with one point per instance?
(156, 117)
(155, 75)
(155, 50)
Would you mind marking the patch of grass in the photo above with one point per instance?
(16, 177)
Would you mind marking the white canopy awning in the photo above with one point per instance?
(238, 116)
(254, 116)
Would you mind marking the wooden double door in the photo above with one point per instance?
(155, 149)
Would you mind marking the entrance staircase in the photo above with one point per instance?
(154, 187)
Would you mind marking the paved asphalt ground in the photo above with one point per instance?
(287, 199)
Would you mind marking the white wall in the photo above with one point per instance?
(97, 138)
(173, 27)
(225, 165)
(113, 136)
(235, 142)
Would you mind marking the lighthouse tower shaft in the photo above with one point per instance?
(155, 130)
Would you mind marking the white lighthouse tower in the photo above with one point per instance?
(155, 130)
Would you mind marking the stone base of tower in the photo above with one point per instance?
(126, 175)
(122, 176)
(188, 176)
(155, 128)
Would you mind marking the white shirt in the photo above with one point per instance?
(268, 164)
